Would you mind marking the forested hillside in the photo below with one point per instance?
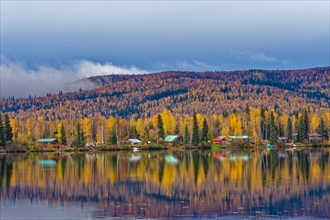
(182, 92)
(261, 104)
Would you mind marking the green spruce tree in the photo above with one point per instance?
(272, 129)
(82, 137)
(113, 138)
(8, 130)
(63, 137)
(268, 92)
(263, 124)
(280, 130)
(195, 134)
(323, 130)
(2, 133)
(306, 125)
(247, 121)
(289, 133)
(186, 135)
(300, 134)
(303, 127)
(80, 142)
(160, 126)
(205, 130)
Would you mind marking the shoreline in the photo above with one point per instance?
(102, 149)
(53, 149)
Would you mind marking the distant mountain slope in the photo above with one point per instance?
(182, 93)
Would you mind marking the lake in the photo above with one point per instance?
(154, 184)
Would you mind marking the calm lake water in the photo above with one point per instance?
(201, 184)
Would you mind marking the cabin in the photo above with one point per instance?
(174, 140)
(283, 139)
(218, 140)
(133, 141)
(315, 138)
(90, 145)
(47, 141)
(239, 138)
(312, 138)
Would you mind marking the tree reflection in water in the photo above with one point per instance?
(203, 183)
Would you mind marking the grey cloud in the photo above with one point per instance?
(254, 56)
(183, 65)
(196, 65)
(259, 57)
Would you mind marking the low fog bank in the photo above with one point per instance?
(18, 80)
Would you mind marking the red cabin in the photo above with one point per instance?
(218, 140)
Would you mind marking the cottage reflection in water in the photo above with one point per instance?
(202, 183)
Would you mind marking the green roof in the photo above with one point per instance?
(46, 140)
(171, 138)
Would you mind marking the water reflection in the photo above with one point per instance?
(191, 183)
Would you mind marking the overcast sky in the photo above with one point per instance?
(146, 36)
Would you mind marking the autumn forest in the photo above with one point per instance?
(262, 104)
